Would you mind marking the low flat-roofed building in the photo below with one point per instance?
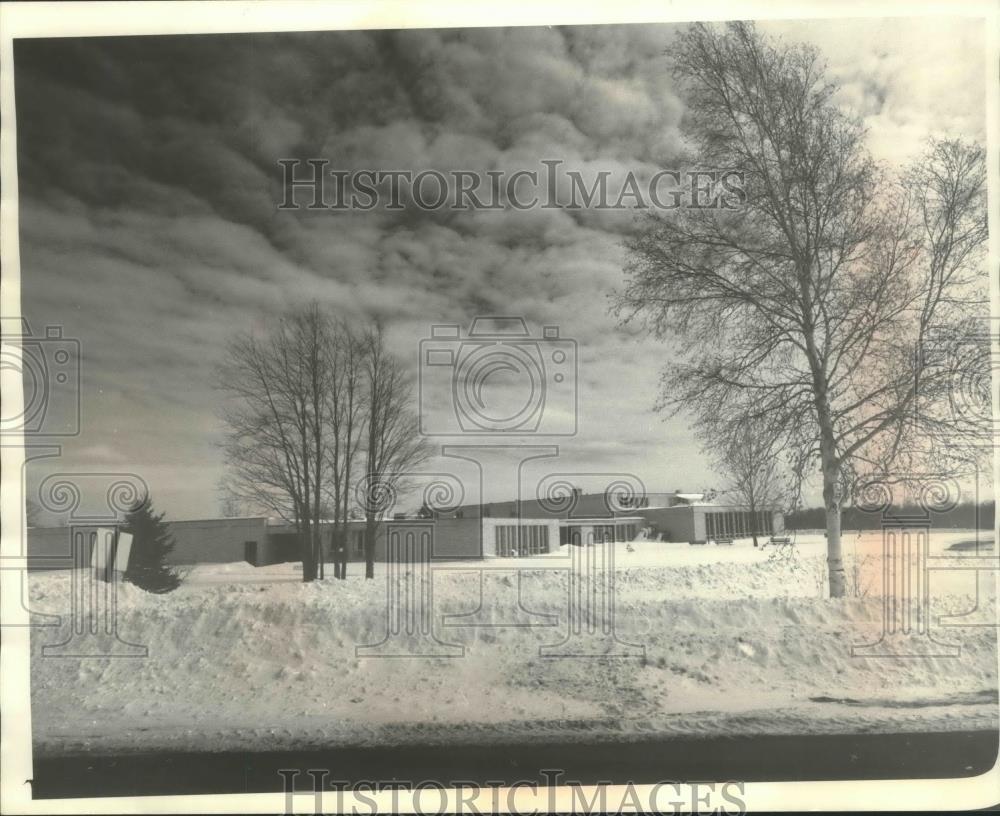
(489, 530)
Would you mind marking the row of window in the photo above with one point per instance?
(735, 523)
(513, 540)
(355, 540)
(602, 533)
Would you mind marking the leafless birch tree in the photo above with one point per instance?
(810, 303)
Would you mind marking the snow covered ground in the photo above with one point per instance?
(735, 639)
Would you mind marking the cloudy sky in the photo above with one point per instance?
(149, 186)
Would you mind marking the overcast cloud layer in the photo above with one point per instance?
(150, 230)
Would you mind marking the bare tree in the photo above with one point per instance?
(809, 303)
(759, 478)
(230, 505)
(278, 387)
(393, 444)
(346, 414)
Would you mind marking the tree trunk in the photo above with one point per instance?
(339, 541)
(370, 528)
(306, 552)
(335, 550)
(318, 551)
(834, 552)
(831, 466)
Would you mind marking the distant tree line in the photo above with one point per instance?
(967, 515)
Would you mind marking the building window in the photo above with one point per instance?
(604, 533)
(740, 523)
(514, 540)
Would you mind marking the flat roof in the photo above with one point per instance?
(222, 518)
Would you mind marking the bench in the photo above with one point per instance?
(778, 541)
(728, 540)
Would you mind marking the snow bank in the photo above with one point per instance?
(735, 640)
